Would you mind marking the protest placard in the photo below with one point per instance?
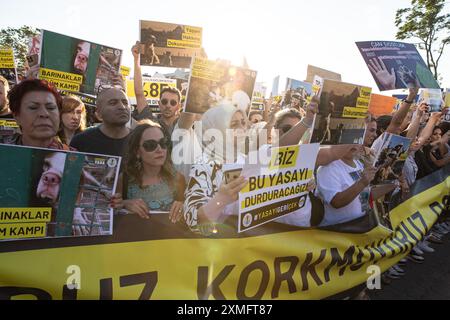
(8, 128)
(258, 97)
(52, 193)
(278, 189)
(214, 82)
(446, 111)
(342, 111)
(381, 105)
(433, 98)
(8, 65)
(77, 65)
(152, 90)
(169, 45)
(300, 90)
(259, 93)
(323, 73)
(125, 71)
(396, 65)
(390, 158)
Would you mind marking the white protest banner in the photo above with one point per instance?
(278, 189)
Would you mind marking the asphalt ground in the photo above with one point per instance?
(427, 281)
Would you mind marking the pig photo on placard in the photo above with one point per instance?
(77, 65)
(73, 188)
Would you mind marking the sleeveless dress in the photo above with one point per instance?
(158, 197)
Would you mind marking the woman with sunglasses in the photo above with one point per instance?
(149, 182)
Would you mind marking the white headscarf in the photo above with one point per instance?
(216, 142)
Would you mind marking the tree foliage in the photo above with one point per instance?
(18, 38)
(426, 20)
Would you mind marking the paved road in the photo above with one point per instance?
(429, 280)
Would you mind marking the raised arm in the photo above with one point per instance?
(397, 120)
(413, 128)
(138, 85)
(293, 136)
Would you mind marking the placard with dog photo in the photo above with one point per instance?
(169, 45)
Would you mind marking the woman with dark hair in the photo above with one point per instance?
(149, 182)
(36, 106)
(73, 118)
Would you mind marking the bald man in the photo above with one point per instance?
(110, 137)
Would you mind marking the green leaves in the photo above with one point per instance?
(425, 21)
(17, 38)
(426, 77)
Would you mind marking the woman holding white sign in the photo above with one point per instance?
(209, 197)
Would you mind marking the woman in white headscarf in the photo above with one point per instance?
(208, 198)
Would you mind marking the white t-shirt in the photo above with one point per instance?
(332, 179)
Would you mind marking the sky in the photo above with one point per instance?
(277, 37)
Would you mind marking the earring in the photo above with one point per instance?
(138, 164)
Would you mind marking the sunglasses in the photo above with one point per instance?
(152, 145)
(173, 103)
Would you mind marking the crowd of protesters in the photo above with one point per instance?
(194, 191)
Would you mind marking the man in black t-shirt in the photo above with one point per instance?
(110, 137)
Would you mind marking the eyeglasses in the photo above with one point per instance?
(173, 103)
(285, 128)
(151, 145)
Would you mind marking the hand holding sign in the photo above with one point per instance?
(137, 206)
(136, 50)
(229, 191)
(368, 175)
(385, 78)
(176, 211)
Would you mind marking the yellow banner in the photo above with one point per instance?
(49, 74)
(9, 123)
(358, 113)
(125, 71)
(25, 215)
(362, 103)
(22, 230)
(7, 59)
(365, 92)
(299, 264)
(152, 89)
(62, 80)
(183, 44)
